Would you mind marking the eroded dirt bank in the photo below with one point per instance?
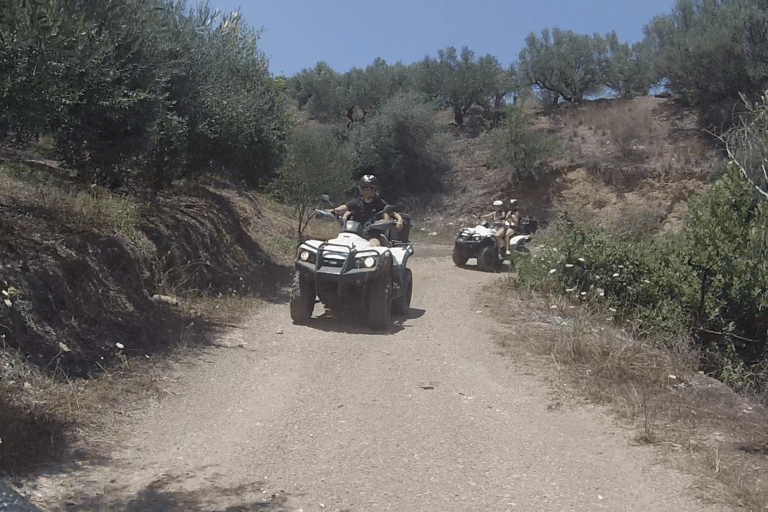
(331, 416)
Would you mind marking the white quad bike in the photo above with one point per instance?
(348, 272)
(480, 242)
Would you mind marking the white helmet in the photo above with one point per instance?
(513, 203)
(498, 203)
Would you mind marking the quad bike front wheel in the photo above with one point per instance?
(302, 299)
(402, 304)
(459, 258)
(487, 259)
(380, 302)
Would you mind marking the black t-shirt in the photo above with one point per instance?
(362, 212)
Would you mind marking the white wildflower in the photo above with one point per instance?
(616, 274)
(63, 347)
(553, 271)
(568, 265)
(582, 260)
(8, 303)
(120, 346)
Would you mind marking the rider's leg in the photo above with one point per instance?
(508, 237)
(500, 238)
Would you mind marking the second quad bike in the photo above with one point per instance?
(351, 272)
(480, 242)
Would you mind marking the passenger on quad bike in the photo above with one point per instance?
(364, 208)
(499, 220)
(512, 224)
(491, 240)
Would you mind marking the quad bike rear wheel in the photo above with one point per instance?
(380, 302)
(459, 258)
(487, 259)
(402, 304)
(302, 299)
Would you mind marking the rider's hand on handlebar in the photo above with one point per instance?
(399, 224)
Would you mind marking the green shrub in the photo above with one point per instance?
(519, 148)
(403, 145)
(647, 284)
(726, 234)
(710, 282)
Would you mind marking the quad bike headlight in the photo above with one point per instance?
(307, 256)
(366, 262)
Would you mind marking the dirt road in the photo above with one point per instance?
(332, 416)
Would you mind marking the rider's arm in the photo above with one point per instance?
(347, 209)
(340, 210)
(399, 220)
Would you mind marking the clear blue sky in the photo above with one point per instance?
(352, 33)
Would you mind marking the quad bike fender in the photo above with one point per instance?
(401, 253)
(400, 257)
(519, 239)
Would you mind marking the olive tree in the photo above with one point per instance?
(319, 161)
(562, 62)
(145, 84)
(625, 69)
(458, 80)
(710, 52)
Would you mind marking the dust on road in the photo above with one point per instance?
(332, 416)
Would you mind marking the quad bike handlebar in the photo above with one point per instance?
(326, 215)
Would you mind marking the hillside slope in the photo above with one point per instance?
(622, 161)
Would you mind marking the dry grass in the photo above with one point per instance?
(79, 206)
(47, 412)
(638, 136)
(52, 412)
(44, 409)
(652, 385)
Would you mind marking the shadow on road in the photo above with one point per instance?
(157, 498)
(500, 268)
(356, 323)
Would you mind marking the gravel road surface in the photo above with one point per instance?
(332, 416)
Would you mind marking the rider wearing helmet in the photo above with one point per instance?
(498, 214)
(363, 209)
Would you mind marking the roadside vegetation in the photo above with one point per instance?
(130, 128)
